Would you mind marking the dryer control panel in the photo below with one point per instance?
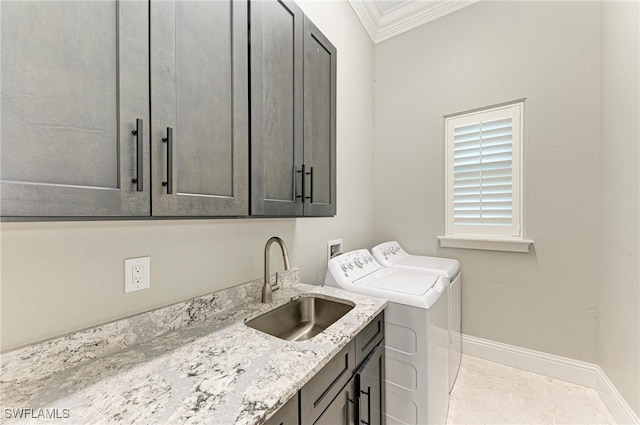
(389, 253)
(351, 266)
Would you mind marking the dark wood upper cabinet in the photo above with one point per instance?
(166, 109)
(276, 32)
(199, 101)
(293, 113)
(320, 65)
(74, 84)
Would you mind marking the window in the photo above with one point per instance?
(484, 179)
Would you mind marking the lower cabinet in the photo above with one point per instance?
(321, 390)
(348, 390)
(342, 410)
(369, 383)
(361, 400)
(287, 415)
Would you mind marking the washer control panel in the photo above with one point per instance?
(353, 265)
(389, 253)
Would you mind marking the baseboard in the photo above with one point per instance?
(574, 371)
(618, 406)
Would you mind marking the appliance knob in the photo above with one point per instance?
(343, 267)
(350, 265)
(359, 262)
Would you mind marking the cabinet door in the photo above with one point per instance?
(276, 107)
(369, 338)
(320, 58)
(287, 414)
(319, 392)
(342, 410)
(370, 388)
(74, 84)
(199, 134)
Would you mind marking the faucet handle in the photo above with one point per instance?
(275, 285)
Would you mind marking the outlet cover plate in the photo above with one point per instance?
(137, 273)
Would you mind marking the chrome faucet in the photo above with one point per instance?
(266, 288)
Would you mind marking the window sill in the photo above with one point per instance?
(490, 244)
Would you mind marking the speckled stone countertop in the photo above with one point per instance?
(192, 362)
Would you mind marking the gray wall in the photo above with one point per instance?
(618, 337)
(488, 53)
(59, 277)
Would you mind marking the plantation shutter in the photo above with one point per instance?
(483, 172)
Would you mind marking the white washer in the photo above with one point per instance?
(391, 254)
(416, 334)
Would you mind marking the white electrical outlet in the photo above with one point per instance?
(137, 272)
(334, 248)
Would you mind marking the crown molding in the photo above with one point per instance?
(367, 17)
(382, 26)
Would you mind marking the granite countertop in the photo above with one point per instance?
(192, 362)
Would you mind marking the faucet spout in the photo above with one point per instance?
(266, 287)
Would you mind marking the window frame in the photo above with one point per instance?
(503, 238)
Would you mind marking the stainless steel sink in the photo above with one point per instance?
(301, 318)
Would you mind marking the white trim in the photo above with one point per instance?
(575, 371)
(478, 227)
(620, 409)
(491, 244)
(366, 17)
(382, 26)
(570, 370)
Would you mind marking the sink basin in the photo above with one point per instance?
(301, 318)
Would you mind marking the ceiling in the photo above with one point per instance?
(384, 19)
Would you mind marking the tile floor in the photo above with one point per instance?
(490, 393)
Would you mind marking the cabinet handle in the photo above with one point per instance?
(139, 133)
(368, 394)
(169, 141)
(310, 174)
(356, 411)
(301, 171)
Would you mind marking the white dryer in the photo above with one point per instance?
(416, 334)
(391, 254)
